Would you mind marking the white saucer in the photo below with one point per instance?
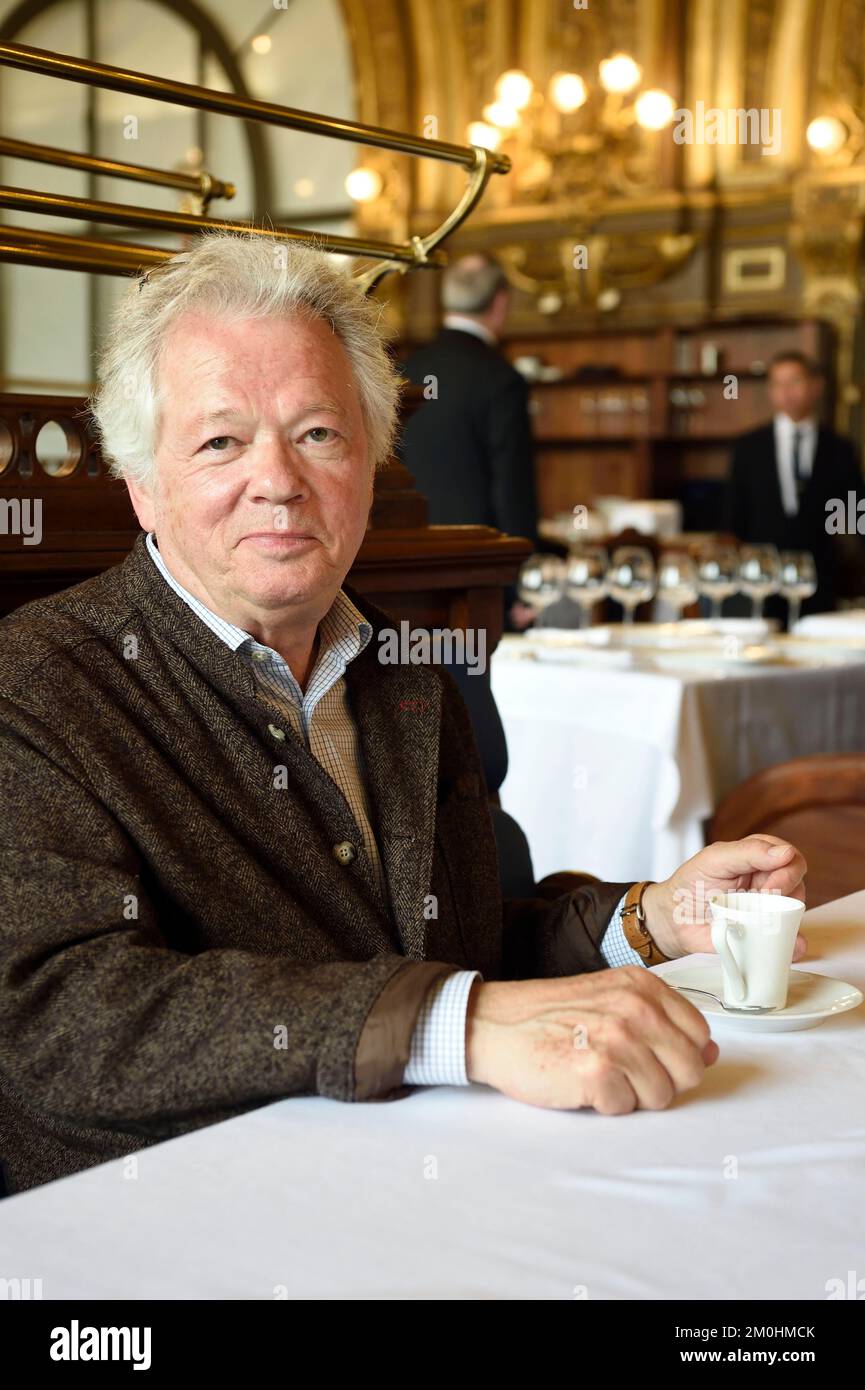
(811, 999)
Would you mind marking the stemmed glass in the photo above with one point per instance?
(586, 578)
(540, 580)
(632, 578)
(677, 580)
(798, 581)
(718, 575)
(759, 574)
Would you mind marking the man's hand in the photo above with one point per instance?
(677, 910)
(616, 1040)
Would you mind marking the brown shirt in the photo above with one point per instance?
(179, 941)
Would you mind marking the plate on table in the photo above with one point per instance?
(576, 653)
(811, 999)
(566, 636)
(686, 632)
(823, 651)
(720, 656)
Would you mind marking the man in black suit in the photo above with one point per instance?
(469, 446)
(784, 475)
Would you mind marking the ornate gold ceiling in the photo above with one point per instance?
(716, 228)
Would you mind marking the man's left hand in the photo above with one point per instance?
(677, 910)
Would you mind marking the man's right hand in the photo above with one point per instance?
(616, 1040)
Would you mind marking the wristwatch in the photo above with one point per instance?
(637, 934)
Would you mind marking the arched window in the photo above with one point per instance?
(298, 54)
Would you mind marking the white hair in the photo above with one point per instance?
(236, 274)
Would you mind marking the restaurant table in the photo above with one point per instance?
(614, 772)
(750, 1187)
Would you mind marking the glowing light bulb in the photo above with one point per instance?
(481, 133)
(567, 91)
(501, 115)
(826, 134)
(514, 88)
(619, 73)
(654, 109)
(362, 185)
(262, 43)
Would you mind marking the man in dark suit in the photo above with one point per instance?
(469, 447)
(784, 475)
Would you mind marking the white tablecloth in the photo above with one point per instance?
(847, 623)
(613, 772)
(460, 1193)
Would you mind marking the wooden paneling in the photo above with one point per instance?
(589, 412)
(568, 477)
(436, 576)
(636, 403)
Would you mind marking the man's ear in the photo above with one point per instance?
(142, 505)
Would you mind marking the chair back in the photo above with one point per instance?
(816, 803)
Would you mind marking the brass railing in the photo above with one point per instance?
(120, 258)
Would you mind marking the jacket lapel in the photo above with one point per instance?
(818, 464)
(398, 713)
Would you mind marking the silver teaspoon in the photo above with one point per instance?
(728, 1008)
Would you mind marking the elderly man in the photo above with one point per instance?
(242, 857)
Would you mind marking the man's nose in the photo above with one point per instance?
(277, 473)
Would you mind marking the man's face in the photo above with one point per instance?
(792, 390)
(263, 484)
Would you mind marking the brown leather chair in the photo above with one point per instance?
(818, 804)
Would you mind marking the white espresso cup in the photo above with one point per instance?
(754, 935)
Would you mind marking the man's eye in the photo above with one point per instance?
(219, 443)
(324, 434)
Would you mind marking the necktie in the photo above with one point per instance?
(798, 468)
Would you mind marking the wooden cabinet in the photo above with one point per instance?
(653, 413)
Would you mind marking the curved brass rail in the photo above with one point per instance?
(424, 247)
(417, 252)
(124, 215)
(204, 185)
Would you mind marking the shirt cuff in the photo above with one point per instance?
(438, 1045)
(614, 944)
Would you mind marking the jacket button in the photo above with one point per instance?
(345, 852)
(278, 734)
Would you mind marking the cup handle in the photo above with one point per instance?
(728, 960)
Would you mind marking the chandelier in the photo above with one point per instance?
(579, 140)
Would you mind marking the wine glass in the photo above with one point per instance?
(586, 578)
(759, 574)
(718, 575)
(798, 581)
(540, 580)
(677, 580)
(632, 578)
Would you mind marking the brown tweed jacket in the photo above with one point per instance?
(178, 941)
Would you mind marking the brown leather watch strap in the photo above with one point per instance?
(637, 934)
